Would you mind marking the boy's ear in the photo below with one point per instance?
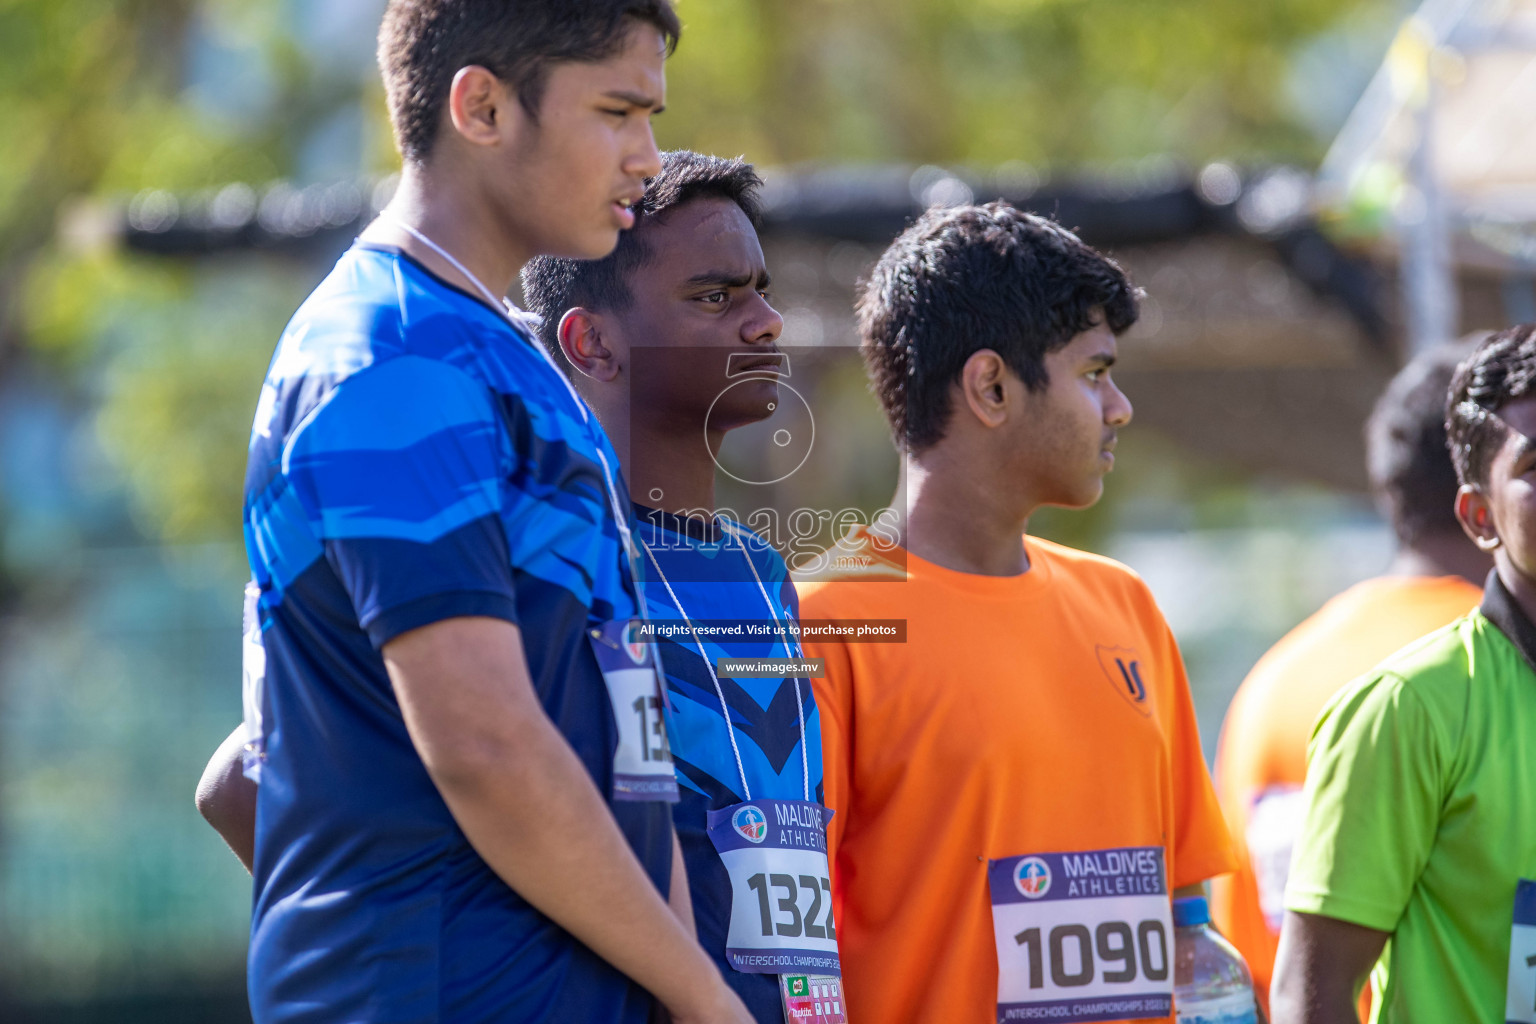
(1475, 518)
(984, 383)
(478, 104)
(581, 339)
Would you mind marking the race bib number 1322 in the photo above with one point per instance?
(1082, 936)
(775, 852)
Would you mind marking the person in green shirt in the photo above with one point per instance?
(1419, 841)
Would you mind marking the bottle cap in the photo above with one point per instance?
(1190, 910)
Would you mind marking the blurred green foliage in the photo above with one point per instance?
(99, 100)
(1056, 83)
(96, 104)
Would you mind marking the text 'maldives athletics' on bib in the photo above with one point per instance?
(1082, 936)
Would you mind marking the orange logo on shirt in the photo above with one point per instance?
(1122, 667)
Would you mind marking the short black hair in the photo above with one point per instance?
(552, 285)
(968, 278)
(1501, 370)
(1410, 470)
(424, 43)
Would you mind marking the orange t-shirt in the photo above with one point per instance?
(1002, 727)
(1261, 762)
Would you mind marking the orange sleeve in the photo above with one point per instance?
(1235, 907)
(1233, 777)
(1202, 847)
(834, 706)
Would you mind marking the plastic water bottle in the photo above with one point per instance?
(1211, 984)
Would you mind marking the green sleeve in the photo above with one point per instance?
(1374, 791)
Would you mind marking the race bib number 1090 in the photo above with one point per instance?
(1082, 936)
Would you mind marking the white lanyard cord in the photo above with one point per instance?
(514, 316)
(720, 692)
(730, 730)
(797, 651)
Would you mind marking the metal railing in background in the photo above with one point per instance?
(117, 903)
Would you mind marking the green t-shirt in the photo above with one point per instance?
(1421, 820)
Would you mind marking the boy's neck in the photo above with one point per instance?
(672, 460)
(674, 465)
(1442, 555)
(1520, 586)
(954, 518)
(450, 210)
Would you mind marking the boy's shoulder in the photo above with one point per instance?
(1107, 589)
(858, 567)
(1078, 561)
(843, 574)
(378, 307)
(1438, 667)
(1086, 568)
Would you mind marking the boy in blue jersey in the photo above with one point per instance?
(450, 823)
(686, 293)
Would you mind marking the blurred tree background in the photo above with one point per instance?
(117, 99)
(128, 381)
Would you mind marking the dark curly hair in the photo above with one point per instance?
(424, 43)
(552, 285)
(978, 277)
(1500, 371)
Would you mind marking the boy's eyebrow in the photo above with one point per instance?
(1103, 358)
(727, 279)
(636, 99)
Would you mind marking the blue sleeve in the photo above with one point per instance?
(399, 472)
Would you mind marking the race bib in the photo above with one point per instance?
(642, 764)
(1274, 822)
(775, 852)
(1520, 992)
(253, 686)
(1082, 936)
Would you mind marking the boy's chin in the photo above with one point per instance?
(591, 245)
(747, 409)
(1079, 498)
(728, 423)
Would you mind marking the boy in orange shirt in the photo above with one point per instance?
(1435, 578)
(1018, 788)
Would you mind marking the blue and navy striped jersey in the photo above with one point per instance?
(707, 570)
(414, 458)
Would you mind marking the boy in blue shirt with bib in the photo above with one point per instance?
(674, 343)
